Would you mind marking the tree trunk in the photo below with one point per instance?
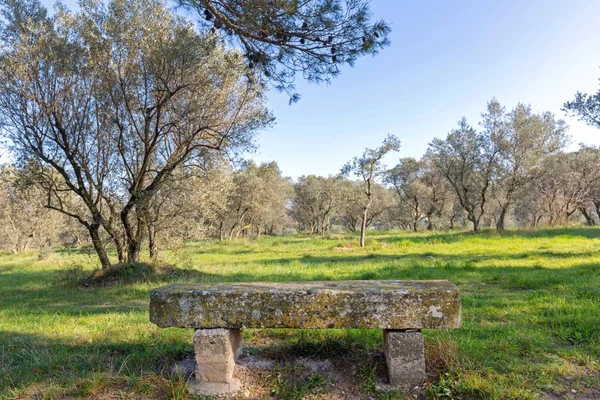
(94, 230)
(152, 246)
(120, 246)
(134, 234)
(135, 243)
(133, 252)
(500, 222)
(588, 218)
(363, 227)
(221, 231)
(475, 222)
(430, 225)
(597, 205)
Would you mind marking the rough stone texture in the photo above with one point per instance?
(216, 351)
(184, 368)
(335, 304)
(215, 388)
(405, 357)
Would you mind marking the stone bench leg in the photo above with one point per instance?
(405, 357)
(216, 351)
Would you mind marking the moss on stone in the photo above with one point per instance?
(341, 304)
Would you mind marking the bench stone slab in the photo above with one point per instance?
(330, 304)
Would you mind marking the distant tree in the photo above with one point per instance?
(468, 160)
(271, 211)
(368, 168)
(405, 179)
(564, 188)
(587, 108)
(316, 200)
(111, 101)
(592, 158)
(456, 214)
(419, 188)
(185, 205)
(284, 37)
(525, 141)
(351, 207)
(439, 200)
(258, 201)
(25, 222)
(210, 200)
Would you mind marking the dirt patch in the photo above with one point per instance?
(584, 386)
(361, 378)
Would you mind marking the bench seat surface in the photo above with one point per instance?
(330, 304)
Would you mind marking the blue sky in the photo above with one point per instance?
(447, 60)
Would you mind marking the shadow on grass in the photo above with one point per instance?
(26, 296)
(460, 235)
(432, 258)
(29, 359)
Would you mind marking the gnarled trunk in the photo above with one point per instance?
(475, 222)
(588, 218)
(120, 246)
(500, 223)
(94, 230)
(152, 245)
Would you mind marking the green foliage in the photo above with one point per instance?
(156, 98)
(586, 107)
(283, 38)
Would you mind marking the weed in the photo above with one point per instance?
(294, 381)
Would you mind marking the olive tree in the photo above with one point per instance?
(526, 140)
(112, 100)
(351, 207)
(316, 200)
(258, 201)
(469, 159)
(565, 186)
(420, 189)
(369, 168)
(25, 224)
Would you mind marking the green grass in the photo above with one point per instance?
(531, 314)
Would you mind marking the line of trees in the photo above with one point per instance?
(126, 123)
(512, 171)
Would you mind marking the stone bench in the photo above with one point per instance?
(218, 311)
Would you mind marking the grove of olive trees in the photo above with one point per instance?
(117, 107)
(128, 124)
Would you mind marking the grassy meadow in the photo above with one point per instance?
(531, 317)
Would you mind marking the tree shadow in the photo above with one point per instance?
(453, 236)
(35, 359)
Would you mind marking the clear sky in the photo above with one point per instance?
(447, 59)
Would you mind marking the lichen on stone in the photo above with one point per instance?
(337, 304)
